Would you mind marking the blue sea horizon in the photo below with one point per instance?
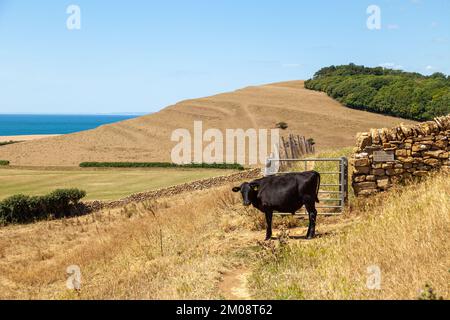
(41, 124)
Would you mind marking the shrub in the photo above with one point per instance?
(60, 202)
(15, 209)
(282, 125)
(24, 209)
(4, 163)
(232, 166)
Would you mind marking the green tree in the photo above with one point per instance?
(392, 92)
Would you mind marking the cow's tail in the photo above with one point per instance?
(318, 188)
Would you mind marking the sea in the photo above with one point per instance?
(15, 124)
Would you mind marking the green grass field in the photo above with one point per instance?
(100, 184)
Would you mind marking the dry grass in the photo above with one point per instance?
(180, 248)
(404, 232)
(309, 113)
(161, 250)
(155, 250)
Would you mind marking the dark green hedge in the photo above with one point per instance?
(5, 143)
(4, 163)
(24, 209)
(233, 166)
(391, 92)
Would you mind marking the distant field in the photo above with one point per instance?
(104, 184)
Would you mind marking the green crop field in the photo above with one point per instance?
(100, 184)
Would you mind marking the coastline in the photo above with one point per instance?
(26, 127)
(26, 137)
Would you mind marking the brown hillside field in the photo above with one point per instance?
(309, 113)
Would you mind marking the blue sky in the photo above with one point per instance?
(140, 56)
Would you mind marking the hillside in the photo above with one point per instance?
(309, 113)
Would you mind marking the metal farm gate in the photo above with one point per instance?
(333, 194)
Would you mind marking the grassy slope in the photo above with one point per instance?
(100, 184)
(404, 232)
(182, 247)
(154, 251)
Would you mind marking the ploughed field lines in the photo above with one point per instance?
(148, 138)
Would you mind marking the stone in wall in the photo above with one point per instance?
(416, 150)
(94, 206)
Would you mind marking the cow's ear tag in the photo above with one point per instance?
(255, 188)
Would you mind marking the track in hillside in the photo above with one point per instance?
(235, 283)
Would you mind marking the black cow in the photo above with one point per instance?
(285, 193)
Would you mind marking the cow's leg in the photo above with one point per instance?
(269, 215)
(312, 212)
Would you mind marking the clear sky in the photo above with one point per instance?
(140, 56)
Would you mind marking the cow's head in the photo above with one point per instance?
(249, 191)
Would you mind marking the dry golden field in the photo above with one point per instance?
(205, 245)
(309, 113)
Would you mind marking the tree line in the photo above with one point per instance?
(397, 93)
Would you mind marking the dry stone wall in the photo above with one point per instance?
(385, 157)
(174, 190)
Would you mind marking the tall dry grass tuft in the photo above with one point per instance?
(405, 234)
